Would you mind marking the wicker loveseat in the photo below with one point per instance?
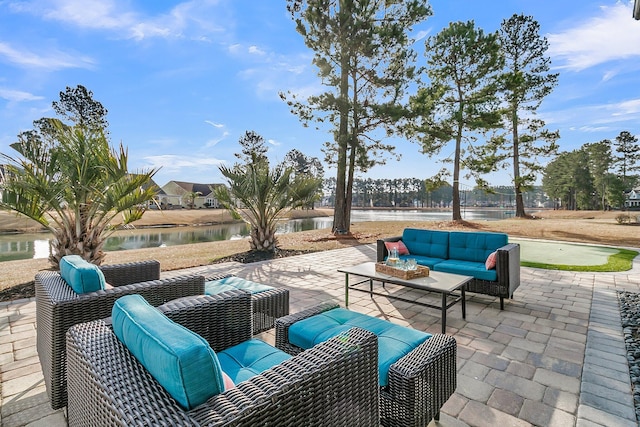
(58, 307)
(413, 388)
(332, 384)
(466, 253)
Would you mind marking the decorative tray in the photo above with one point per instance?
(421, 271)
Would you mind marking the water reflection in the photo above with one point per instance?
(27, 246)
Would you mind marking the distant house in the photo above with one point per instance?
(177, 194)
(633, 199)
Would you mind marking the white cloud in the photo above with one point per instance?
(197, 18)
(593, 118)
(215, 125)
(213, 142)
(422, 34)
(255, 50)
(18, 95)
(613, 35)
(175, 163)
(273, 142)
(52, 60)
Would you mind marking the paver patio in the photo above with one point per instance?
(554, 357)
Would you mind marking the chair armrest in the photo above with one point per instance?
(283, 324)
(224, 320)
(131, 272)
(335, 382)
(381, 249)
(217, 276)
(58, 308)
(430, 368)
(508, 266)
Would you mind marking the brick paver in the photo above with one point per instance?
(554, 357)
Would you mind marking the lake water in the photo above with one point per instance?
(27, 246)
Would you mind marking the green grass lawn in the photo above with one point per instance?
(574, 257)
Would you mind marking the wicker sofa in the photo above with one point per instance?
(332, 384)
(58, 307)
(464, 253)
(418, 384)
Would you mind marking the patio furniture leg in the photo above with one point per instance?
(346, 290)
(444, 311)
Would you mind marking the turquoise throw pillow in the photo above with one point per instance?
(81, 275)
(179, 359)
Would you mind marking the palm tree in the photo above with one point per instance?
(74, 184)
(191, 197)
(259, 195)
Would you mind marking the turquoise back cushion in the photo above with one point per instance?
(81, 275)
(179, 359)
(394, 341)
(232, 282)
(428, 243)
(474, 246)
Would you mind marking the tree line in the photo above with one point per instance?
(597, 175)
(416, 193)
(476, 91)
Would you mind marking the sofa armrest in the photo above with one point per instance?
(508, 267)
(224, 320)
(381, 249)
(131, 272)
(283, 324)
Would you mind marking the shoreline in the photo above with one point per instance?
(591, 227)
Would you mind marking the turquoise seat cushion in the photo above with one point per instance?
(394, 341)
(474, 246)
(427, 243)
(179, 359)
(81, 275)
(467, 268)
(232, 282)
(250, 358)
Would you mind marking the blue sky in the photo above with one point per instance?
(183, 81)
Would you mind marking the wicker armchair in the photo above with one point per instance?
(419, 383)
(267, 305)
(58, 307)
(332, 384)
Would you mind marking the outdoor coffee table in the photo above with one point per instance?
(445, 283)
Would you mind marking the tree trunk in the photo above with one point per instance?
(263, 240)
(457, 216)
(341, 211)
(517, 184)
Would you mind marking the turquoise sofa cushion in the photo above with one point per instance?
(179, 359)
(428, 243)
(467, 268)
(81, 275)
(474, 246)
(394, 341)
(232, 282)
(250, 358)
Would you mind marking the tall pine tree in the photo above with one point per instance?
(460, 100)
(364, 57)
(526, 82)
